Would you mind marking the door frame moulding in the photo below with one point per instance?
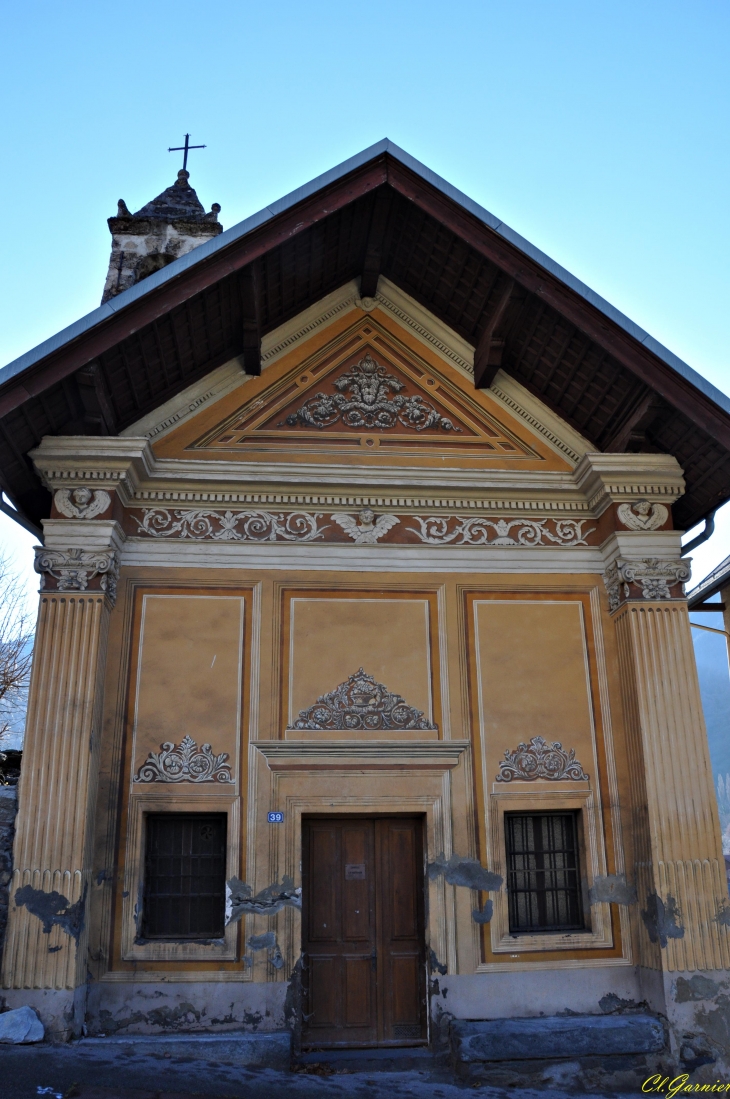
(286, 841)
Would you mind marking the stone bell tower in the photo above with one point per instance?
(166, 228)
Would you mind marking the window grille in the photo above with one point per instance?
(543, 872)
(185, 872)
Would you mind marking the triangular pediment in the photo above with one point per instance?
(364, 385)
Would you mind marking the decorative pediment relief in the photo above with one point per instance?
(364, 704)
(364, 389)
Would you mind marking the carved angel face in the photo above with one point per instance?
(82, 497)
(643, 508)
(367, 517)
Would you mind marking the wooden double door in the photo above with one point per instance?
(364, 977)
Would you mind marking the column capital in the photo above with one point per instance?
(80, 556)
(644, 565)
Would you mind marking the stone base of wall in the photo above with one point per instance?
(126, 1007)
(589, 1052)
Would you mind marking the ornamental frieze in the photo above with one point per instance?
(363, 527)
(361, 703)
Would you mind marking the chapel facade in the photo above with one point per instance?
(364, 706)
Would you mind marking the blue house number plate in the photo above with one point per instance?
(275, 818)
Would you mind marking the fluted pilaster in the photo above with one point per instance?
(680, 867)
(46, 939)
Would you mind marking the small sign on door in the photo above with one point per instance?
(354, 871)
(275, 818)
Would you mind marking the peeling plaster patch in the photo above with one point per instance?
(168, 1018)
(716, 1024)
(240, 899)
(723, 913)
(661, 920)
(485, 915)
(696, 988)
(276, 958)
(612, 888)
(695, 1051)
(466, 872)
(435, 964)
(53, 908)
(293, 1005)
(262, 942)
(611, 1004)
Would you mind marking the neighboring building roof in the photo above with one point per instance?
(714, 582)
(379, 212)
(178, 201)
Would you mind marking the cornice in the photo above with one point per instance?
(352, 558)
(442, 339)
(189, 402)
(564, 440)
(297, 755)
(605, 479)
(281, 340)
(129, 466)
(111, 462)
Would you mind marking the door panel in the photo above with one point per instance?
(325, 993)
(403, 995)
(364, 972)
(358, 987)
(324, 902)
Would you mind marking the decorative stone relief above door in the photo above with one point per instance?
(361, 703)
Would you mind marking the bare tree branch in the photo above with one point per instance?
(16, 647)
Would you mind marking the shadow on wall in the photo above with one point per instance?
(9, 775)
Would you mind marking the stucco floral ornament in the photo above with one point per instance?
(538, 759)
(361, 703)
(185, 764)
(364, 400)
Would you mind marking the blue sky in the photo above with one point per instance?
(597, 130)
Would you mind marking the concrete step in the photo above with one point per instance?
(589, 1053)
(232, 1047)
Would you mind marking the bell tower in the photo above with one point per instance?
(166, 228)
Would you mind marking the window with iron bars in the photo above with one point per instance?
(543, 872)
(185, 876)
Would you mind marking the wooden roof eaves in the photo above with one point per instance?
(384, 162)
(708, 407)
(172, 286)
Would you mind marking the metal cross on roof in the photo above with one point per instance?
(185, 149)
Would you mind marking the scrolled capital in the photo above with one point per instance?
(78, 570)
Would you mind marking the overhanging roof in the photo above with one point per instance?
(379, 212)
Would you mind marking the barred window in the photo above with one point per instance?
(543, 872)
(184, 880)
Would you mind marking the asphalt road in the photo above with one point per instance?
(44, 1070)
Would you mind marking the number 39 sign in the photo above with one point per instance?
(275, 818)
